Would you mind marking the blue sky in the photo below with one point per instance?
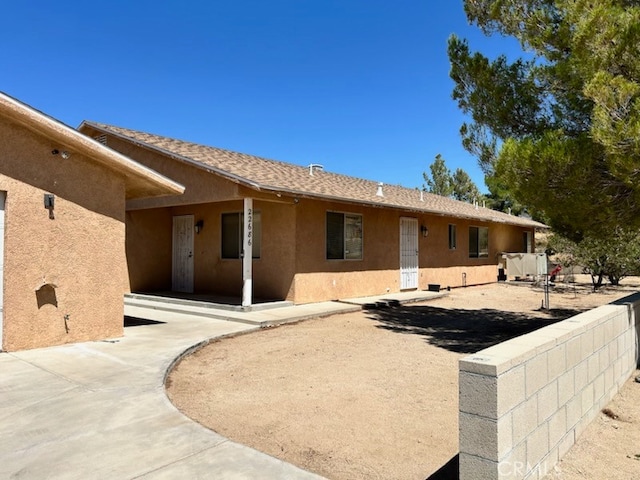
(359, 86)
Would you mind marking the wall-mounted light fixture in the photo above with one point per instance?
(199, 226)
(424, 230)
(64, 154)
(49, 201)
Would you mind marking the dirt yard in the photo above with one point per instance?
(373, 394)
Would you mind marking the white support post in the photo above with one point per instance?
(247, 257)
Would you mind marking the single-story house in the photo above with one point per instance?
(63, 268)
(313, 235)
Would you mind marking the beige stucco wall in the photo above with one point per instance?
(79, 254)
(149, 250)
(293, 264)
(320, 279)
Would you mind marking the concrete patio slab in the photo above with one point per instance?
(99, 409)
(229, 461)
(262, 317)
(23, 385)
(391, 299)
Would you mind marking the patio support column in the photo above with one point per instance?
(247, 253)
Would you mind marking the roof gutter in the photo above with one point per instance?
(396, 207)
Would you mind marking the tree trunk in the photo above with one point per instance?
(597, 283)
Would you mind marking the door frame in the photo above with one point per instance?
(409, 270)
(187, 269)
(3, 198)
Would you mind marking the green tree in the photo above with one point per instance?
(440, 180)
(614, 256)
(501, 198)
(457, 185)
(463, 187)
(560, 129)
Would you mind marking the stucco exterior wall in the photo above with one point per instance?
(319, 279)
(453, 267)
(78, 256)
(293, 262)
(149, 250)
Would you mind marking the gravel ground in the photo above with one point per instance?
(374, 394)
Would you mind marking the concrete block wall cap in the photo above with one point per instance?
(614, 309)
(562, 333)
(622, 311)
(489, 365)
(575, 324)
(597, 314)
(516, 352)
(538, 342)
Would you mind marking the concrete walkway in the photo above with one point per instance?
(98, 409)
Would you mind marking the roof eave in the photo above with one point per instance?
(302, 194)
(137, 177)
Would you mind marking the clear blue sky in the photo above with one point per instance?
(360, 86)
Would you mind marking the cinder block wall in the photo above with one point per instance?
(524, 402)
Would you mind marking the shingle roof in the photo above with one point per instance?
(280, 177)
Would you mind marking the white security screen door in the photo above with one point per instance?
(182, 268)
(408, 253)
(2, 198)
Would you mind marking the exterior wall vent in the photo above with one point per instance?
(101, 139)
(315, 167)
(380, 193)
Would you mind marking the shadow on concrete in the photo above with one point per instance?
(136, 322)
(449, 471)
(464, 331)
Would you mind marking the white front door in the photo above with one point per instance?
(2, 199)
(408, 253)
(182, 268)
